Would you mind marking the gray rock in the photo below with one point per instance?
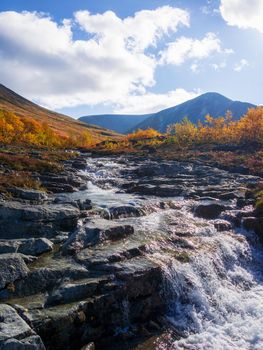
(12, 268)
(31, 195)
(95, 232)
(209, 211)
(35, 246)
(19, 220)
(12, 325)
(33, 342)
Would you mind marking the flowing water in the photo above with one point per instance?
(213, 281)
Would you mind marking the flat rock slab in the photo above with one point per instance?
(12, 268)
(95, 232)
(31, 246)
(46, 213)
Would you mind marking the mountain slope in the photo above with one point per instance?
(61, 124)
(117, 122)
(195, 109)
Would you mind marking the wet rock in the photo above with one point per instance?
(90, 346)
(12, 268)
(209, 211)
(79, 164)
(94, 233)
(35, 246)
(79, 290)
(254, 224)
(43, 279)
(100, 257)
(222, 225)
(125, 212)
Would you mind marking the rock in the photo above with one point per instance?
(35, 246)
(8, 246)
(12, 268)
(45, 278)
(19, 220)
(125, 212)
(94, 233)
(31, 195)
(209, 211)
(80, 164)
(79, 290)
(222, 225)
(254, 224)
(30, 343)
(84, 204)
(90, 346)
(12, 325)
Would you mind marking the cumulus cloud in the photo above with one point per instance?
(243, 13)
(151, 102)
(183, 48)
(114, 63)
(243, 63)
(44, 62)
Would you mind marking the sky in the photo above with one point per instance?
(86, 57)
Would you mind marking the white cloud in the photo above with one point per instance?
(183, 48)
(219, 66)
(243, 63)
(243, 13)
(41, 59)
(152, 102)
(194, 68)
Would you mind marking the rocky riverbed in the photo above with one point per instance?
(132, 253)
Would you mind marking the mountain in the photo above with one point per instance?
(195, 109)
(118, 122)
(61, 124)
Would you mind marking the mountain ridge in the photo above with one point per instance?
(195, 109)
(62, 124)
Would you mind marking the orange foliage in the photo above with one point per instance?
(26, 131)
(222, 130)
(143, 134)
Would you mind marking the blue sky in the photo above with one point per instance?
(113, 56)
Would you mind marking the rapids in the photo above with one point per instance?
(212, 280)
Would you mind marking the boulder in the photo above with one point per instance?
(209, 211)
(12, 268)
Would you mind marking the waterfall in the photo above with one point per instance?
(216, 299)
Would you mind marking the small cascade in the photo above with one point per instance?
(215, 300)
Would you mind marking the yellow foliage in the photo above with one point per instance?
(26, 131)
(143, 134)
(222, 130)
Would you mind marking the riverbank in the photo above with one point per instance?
(105, 255)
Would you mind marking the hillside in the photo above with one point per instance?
(121, 123)
(195, 109)
(61, 124)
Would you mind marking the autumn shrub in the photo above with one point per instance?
(248, 130)
(27, 131)
(143, 134)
